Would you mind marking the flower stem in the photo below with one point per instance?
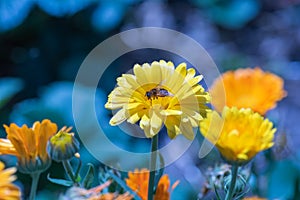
(234, 171)
(154, 146)
(69, 170)
(35, 179)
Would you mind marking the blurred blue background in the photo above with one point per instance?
(43, 43)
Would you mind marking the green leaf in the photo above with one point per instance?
(62, 182)
(78, 178)
(89, 177)
(123, 185)
(77, 175)
(217, 194)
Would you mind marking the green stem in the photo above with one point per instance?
(78, 168)
(35, 179)
(234, 172)
(69, 170)
(154, 146)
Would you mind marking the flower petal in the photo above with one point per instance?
(118, 118)
(186, 129)
(170, 112)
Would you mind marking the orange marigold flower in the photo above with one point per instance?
(139, 179)
(29, 145)
(254, 198)
(8, 191)
(247, 88)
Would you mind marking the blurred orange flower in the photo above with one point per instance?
(8, 191)
(29, 145)
(247, 88)
(254, 198)
(138, 182)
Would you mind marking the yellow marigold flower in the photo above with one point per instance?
(254, 198)
(29, 145)
(63, 145)
(158, 94)
(239, 134)
(8, 191)
(247, 88)
(139, 179)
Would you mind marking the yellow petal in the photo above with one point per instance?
(242, 156)
(6, 147)
(141, 76)
(133, 118)
(118, 118)
(156, 123)
(190, 74)
(181, 69)
(187, 129)
(155, 76)
(145, 122)
(195, 80)
(170, 112)
(131, 80)
(171, 123)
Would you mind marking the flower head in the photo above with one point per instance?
(239, 134)
(63, 145)
(29, 145)
(247, 88)
(138, 182)
(158, 94)
(8, 191)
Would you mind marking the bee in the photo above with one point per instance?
(157, 92)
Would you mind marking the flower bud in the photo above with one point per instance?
(63, 145)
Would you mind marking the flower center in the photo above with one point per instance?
(157, 92)
(160, 103)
